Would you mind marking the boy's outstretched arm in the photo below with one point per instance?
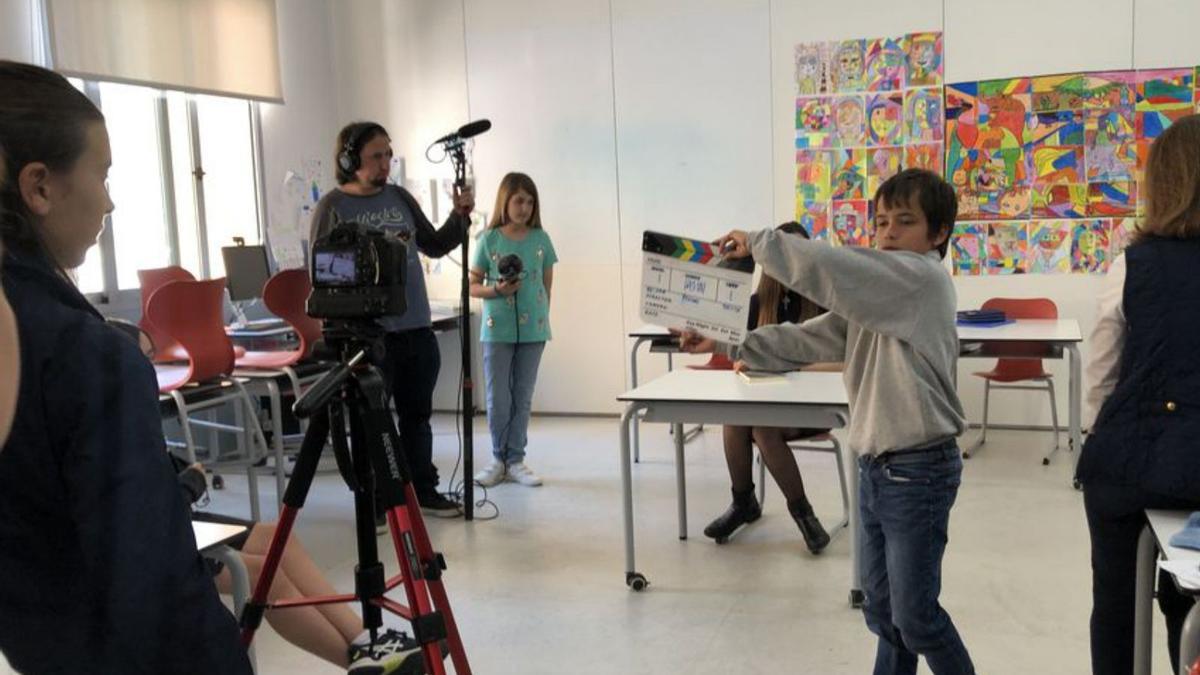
(886, 292)
(788, 346)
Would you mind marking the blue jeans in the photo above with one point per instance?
(509, 372)
(904, 510)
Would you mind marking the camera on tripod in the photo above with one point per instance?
(357, 273)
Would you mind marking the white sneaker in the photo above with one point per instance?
(492, 474)
(394, 653)
(520, 473)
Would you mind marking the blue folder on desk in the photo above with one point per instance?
(983, 318)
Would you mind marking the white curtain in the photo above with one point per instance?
(223, 47)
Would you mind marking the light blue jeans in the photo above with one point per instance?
(509, 372)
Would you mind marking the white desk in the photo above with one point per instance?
(1061, 336)
(651, 333)
(1162, 525)
(211, 541)
(814, 400)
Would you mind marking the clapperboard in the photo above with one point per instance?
(687, 284)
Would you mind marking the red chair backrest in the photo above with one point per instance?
(151, 280)
(285, 295)
(192, 312)
(1023, 308)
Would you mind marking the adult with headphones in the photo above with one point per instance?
(411, 357)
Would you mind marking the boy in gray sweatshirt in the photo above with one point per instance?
(891, 321)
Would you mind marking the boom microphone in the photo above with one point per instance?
(466, 131)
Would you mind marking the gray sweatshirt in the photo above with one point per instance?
(891, 321)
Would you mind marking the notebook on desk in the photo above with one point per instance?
(761, 377)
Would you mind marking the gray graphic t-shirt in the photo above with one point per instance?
(388, 212)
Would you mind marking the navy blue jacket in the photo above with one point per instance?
(1147, 433)
(99, 571)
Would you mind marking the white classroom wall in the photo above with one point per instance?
(677, 115)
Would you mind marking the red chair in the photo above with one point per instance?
(191, 313)
(285, 295)
(1025, 365)
(165, 347)
(715, 362)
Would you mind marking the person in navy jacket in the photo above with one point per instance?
(1144, 378)
(98, 565)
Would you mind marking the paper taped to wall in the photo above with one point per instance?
(686, 284)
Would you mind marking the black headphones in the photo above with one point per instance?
(348, 159)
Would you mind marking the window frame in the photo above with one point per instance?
(116, 300)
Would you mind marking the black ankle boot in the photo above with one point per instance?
(815, 537)
(744, 509)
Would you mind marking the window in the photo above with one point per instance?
(170, 148)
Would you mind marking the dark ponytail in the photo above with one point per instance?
(42, 119)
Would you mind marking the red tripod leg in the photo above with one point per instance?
(425, 595)
(252, 615)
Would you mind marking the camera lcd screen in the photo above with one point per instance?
(335, 268)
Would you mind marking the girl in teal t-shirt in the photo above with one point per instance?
(512, 271)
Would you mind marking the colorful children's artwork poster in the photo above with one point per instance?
(849, 174)
(1060, 200)
(887, 61)
(1112, 199)
(1109, 90)
(926, 156)
(849, 121)
(923, 115)
(882, 164)
(1004, 109)
(813, 175)
(1107, 163)
(1166, 89)
(1060, 128)
(865, 109)
(1050, 247)
(1090, 246)
(814, 218)
(968, 248)
(1063, 153)
(1058, 164)
(1121, 235)
(850, 66)
(1007, 247)
(814, 122)
(1053, 93)
(924, 59)
(885, 115)
(814, 69)
(850, 224)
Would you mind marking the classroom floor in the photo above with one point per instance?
(540, 589)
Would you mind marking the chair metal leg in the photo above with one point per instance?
(1053, 421)
(762, 478)
(185, 425)
(253, 430)
(974, 447)
(842, 480)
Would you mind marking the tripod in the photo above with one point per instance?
(371, 463)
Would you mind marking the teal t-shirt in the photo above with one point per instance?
(524, 316)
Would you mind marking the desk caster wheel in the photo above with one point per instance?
(1045, 461)
(966, 455)
(1076, 484)
(856, 599)
(636, 581)
(721, 540)
(218, 483)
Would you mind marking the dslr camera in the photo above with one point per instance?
(357, 274)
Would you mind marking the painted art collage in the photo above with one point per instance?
(1046, 168)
